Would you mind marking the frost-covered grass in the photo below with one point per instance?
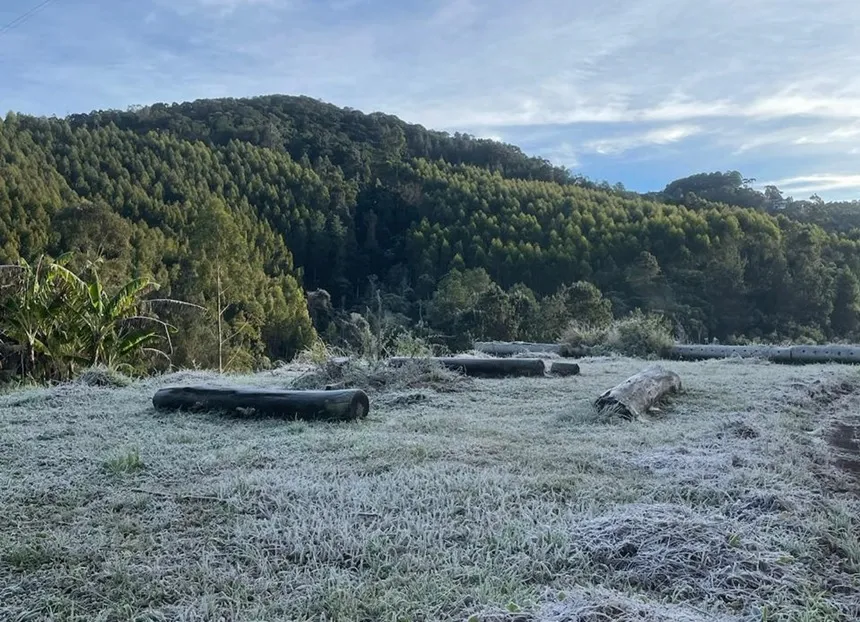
(507, 501)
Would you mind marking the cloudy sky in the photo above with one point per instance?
(637, 91)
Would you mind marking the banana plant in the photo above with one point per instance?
(28, 316)
(59, 321)
(110, 328)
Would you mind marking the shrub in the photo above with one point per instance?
(61, 322)
(580, 338)
(641, 335)
(638, 335)
(379, 376)
(317, 353)
(408, 344)
(101, 376)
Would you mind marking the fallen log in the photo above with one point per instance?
(313, 405)
(512, 348)
(834, 353)
(710, 351)
(484, 368)
(632, 398)
(564, 368)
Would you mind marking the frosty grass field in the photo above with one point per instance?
(500, 500)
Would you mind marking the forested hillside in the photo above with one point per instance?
(256, 202)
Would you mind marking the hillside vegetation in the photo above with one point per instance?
(243, 206)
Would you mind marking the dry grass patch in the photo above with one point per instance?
(379, 376)
(102, 377)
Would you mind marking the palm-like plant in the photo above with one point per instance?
(109, 329)
(59, 321)
(28, 315)
(22, 316)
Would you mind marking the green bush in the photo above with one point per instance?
(580, 338)
(638, 335)
(61, 322)
(318, 353)
(408, 344)
(389, 340)
(641, 335)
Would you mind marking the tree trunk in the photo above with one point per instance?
(28, 358)
(632, 398)
(485, 368)
(220, 329)
(313, 405)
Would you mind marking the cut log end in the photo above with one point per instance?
(633, 398)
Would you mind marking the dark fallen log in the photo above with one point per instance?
(485, 368)
(314, 405)
(564, 368)
(574, 352)
(632, 398)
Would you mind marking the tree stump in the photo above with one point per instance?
(632, 398)
(312, 405)
(564, 368)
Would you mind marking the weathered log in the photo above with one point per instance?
(564, 368)
(833, 353)
(485, 368)
(322, 405)
(633, 397)
(715, 351)
(512, 348)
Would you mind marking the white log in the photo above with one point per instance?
(632, 398)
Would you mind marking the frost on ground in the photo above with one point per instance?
(380, 377)
(507, 500)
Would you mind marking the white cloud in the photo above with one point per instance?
(454, 13)
(800, 105)
(839, 134)
(232, 4)
(760, 80)
(463, 63)
(219, 8)
(805, 184)
(563, 154)
(496, 136)
(658, 136)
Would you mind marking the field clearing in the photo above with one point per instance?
(507, 500)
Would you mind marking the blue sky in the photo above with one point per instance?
(637, 91)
